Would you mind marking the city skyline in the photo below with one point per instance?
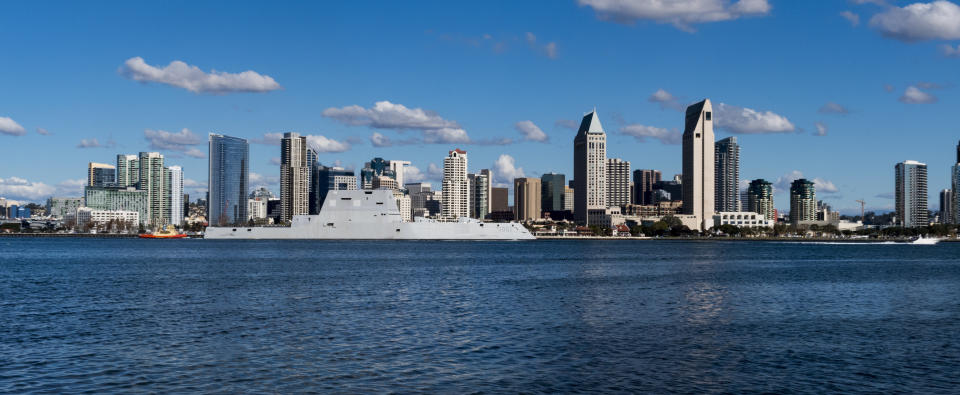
(814, 100)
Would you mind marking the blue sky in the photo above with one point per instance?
(468, 74)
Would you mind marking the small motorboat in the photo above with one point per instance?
(925, 240)
(165, 233)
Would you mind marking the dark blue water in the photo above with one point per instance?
(547, 316)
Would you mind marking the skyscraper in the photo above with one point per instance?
(228, 177)
(567, 199)
(911, 193)
(153, 180)
(803, 201)
(551, 192)
(175, 189)
(955, 195)
(325, 179)
(101, 174)
(375, 168)
(479, 193)
(618, 182)
(698, 164)
(760, 198)
(455, 194)
(946, 206)
(294, 176)
(643, 181)
(397, 167)
(526, 198)
(727, 170)
(499, 200)
(128, 170)
(589, 168)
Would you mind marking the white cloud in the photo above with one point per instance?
(275, 161)
(190, 183)
(741, 120)
(21, 189)
(193, 79)
(89, 143)
(379, 140)
(825, 187)
(642, 132)
(258, 180)
(412, 174)
(821, 129)
(387, 115)
(854, 19)
(949, 51)
(680, 13)
(268, 139)
(434, 172)
(666, 100)
(531, 132)
(71, 187)
(938, 20)
(43, 132)
(549, 50)
(505, 169)
(820, 185)
(914, 95)
(10, 127)
(833, 108)
(324, 144)
(195, 153)
(168, 141)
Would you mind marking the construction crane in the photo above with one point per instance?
(862, 205)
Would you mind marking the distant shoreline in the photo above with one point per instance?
(547, 238)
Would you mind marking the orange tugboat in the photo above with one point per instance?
(164, 234)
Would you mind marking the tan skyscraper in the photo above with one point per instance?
(590, 168)
(294, 176)
(698, 164)
(455, 195)
(526, 198)
(100, 174)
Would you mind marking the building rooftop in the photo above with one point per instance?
(591, 124)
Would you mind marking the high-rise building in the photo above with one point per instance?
(101, 174)
(760, 198)
(294, 176)
(698, 164)
(455, 194)
(479, 193)
(589, 168)
(911, 193)
(153, 180)
(567, 199)
(376, 168)
(526, 198)
(803, 201)
(420, 194)
(384, 182)
(955, 195)
(325, 179)
(397, 167)
(128, 170)
(257, 208)
(946, 206)
(228, 180)
(727, 178)
(118, 199)
(175, 183)
(551, 193)
(643, 181)
(618, 182)
(61, 207)
(499, 200)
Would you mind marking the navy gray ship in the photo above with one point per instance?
(372, 215)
